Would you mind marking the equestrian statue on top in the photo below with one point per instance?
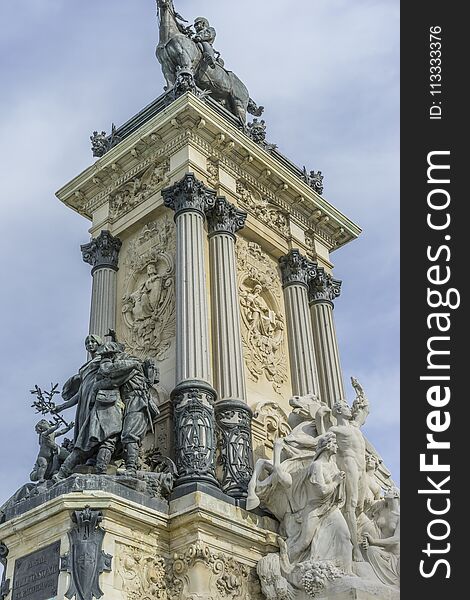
(189, 59)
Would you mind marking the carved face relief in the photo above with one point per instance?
(148, 305)
(263, 325)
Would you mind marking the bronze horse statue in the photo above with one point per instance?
(180, 56)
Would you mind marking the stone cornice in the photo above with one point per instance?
(190, 120)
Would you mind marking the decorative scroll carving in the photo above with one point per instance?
(86, 560)
(143, 574)
(148, 304)
(225, 217)
(296, 269)
(262, 319)
(141, 187)
(102, 142)
(274, 419)
(314, 179)
(236, 454)
(262, 209)
(102, 251)
(213, 172)
(323, 288)
(199, 570)
(189, 194)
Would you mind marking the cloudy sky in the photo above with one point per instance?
(327, 73)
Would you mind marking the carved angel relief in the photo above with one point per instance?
(263, 323)
(139, 189)
(269, 214)
(148, 305)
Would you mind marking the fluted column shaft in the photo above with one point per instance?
(103, 254)
(233, 415)
(192, 334)
(296, 271)
(193, 397)
(229, 378)
(323, 289)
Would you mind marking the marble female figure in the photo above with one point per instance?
(381, 538)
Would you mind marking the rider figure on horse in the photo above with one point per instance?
(205, 37)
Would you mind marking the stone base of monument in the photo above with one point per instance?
(356, 588)
(195, 546)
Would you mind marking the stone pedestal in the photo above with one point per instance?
(102, 253)
(323, 290)
(196, 546)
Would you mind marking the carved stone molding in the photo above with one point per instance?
(148, 304)
(194, 422)
(261, 208)
(296, 269)
(233, 419)
(86, 559)
(102, 251)
(139, 188)
(143, 574)
(323, 288)
(200, 573)
(225, 217)
(273, 418)
(263, 326)
(189, 195)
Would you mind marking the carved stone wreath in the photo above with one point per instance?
(263, 325)
(141, 187)
(148, 304)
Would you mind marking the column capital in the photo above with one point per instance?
(189, 195)
(296, 269)
(323, 288)
(102, 251)
(225, 217)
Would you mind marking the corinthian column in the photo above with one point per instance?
(102, 254)
(233, 415)
(193, 397)
(323, 290)
(296, 271)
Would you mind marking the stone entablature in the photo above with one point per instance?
(189, 122)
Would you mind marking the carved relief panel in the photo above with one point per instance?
(253, 201)
(263, 323)
(148, 301)
(142, 575)
(138, 189)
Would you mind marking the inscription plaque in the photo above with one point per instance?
(36, 575)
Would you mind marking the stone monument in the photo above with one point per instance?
(214, 454)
